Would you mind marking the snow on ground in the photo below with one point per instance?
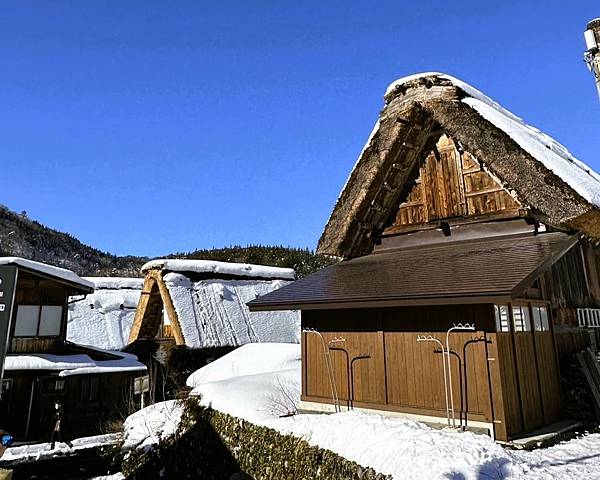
(213, 312)
(250, 359)
(221, 268)
(104, 318)
(151, 424)
(399, 447)
(42, 451)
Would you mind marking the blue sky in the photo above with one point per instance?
(146, 127)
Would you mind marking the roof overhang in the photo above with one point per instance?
(485, 270)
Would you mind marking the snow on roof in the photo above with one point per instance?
(103, 319)
(56, 272)
(213, 312)
(220, 268)
(542, 147)
(68, 365)
(115, 283)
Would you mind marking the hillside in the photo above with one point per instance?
(303, 261)
(23, 237)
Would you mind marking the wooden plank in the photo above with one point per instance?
(170, 309)
(141, 309)
(588, 376)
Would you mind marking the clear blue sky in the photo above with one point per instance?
(147, 127)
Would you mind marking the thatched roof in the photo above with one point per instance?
(557, 188)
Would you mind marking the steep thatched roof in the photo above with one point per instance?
(557, 188)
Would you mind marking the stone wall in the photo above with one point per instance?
(212, 445)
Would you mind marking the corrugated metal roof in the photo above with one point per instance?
(468, 270)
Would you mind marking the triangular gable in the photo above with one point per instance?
(554, 186)
(452, 184)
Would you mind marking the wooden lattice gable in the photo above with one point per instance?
(453, 185)
(547, 180)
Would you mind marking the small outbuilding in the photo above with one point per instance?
(39, 367)
(469, 268)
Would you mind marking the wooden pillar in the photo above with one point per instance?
(170, 309)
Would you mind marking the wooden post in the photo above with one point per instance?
(142, 307)
(170, 309)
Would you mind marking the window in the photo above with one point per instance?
(521, 320)
(501, 313)
(50, 321)
(540, 319)
(27, 320)
(38, 321)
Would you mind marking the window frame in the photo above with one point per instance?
(525, 317)
(40, 308)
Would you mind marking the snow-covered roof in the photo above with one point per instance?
(78, 364)
(103, 319)
(220, 268)
(547, 179)
(116, 283)
(539, 145)
(49, 270)
(213, 312)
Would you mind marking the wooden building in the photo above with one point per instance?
(202, 303)
(456, 213)
(39, 367)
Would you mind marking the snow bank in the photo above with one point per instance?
(240, 384)
(221, 268)
(255, 382)
(151, 424)
(214, 313)
(250, 359)
(42, 451)
(542, 147)
(56, 272)
(69, 365)
(104, 318)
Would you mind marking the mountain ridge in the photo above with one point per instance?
(21, 236)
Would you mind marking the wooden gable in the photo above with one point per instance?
(452, 185)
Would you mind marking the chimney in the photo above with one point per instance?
(592, 53)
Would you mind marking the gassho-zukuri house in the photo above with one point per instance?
(39, 367)
(202, 304)
(456, 212)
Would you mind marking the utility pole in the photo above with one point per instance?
(592, 53)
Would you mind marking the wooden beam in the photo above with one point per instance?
(170, 309)
(142, 308)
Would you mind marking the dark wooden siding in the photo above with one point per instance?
(88, 402)
(32, 290)
(565, 283)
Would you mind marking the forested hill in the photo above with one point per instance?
(303, 261)
(22, 237)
